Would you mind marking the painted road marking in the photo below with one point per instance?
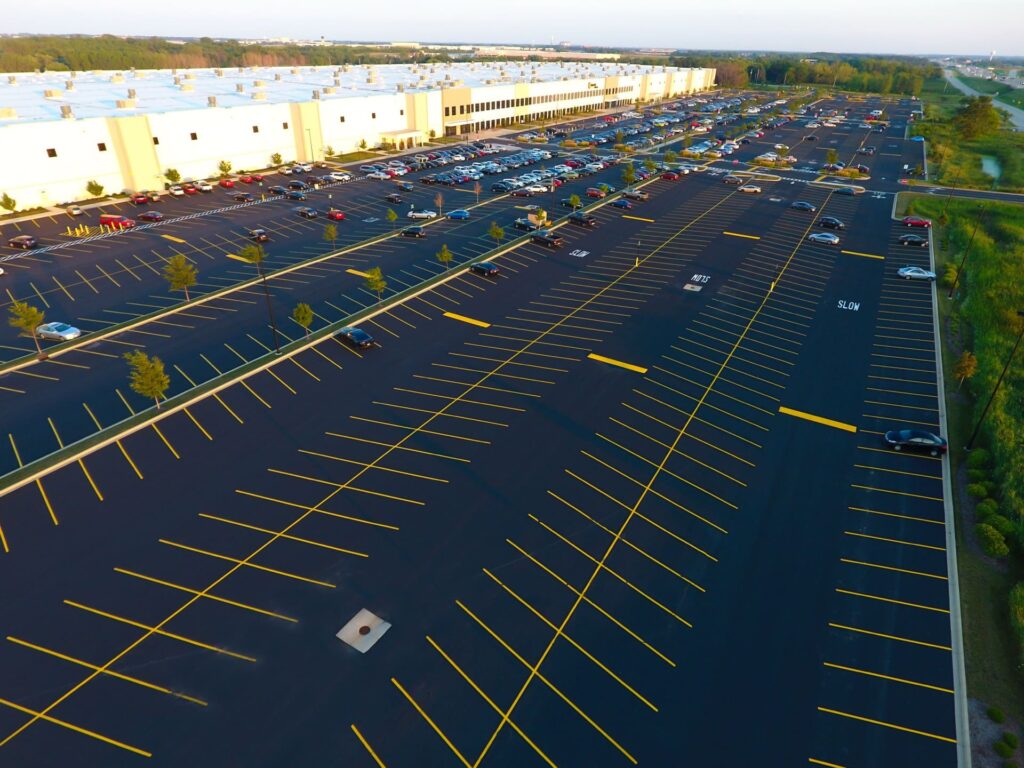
(172, 238)
(865, 255)
(817, 419)
(637, 218)
(618, 363)
(887, 725)
(464, 319)
(236, 258)
(738, 234)
(357, 273)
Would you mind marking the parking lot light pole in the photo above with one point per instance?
(999, 381)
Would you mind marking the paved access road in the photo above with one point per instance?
(604, 513)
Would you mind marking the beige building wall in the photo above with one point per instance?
(137, 159)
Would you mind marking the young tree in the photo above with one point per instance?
(649, 165)
(330, 234)
(375, 282)
(180, 273)
(575, 202)
(254, 254)
(8, 203)
(147, 376)
(275, 159)
(362, 144)
(977, 117)
(965, 367)
(620, 137)
(392, 217)
(670, 156)
(477, 189)
(224, 166)
(496, 233)
(26, 319)
(444, 256)
(172, 175)
(303, 315)
(94, 188)
(831, 156)
(438, 201)
(629, 174)
(329, 150)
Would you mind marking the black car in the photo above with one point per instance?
(296, 195)
(547, 239)
(276, 190)
(357, 337)
(306, 212)
(866, 151)
(812, 137)
(526, 224)
(830, 222)
(582, 219)
(732, 180)
(803, 205)
(296, 184)
(244, 197)
(849, 191)
(151, 216)
(500, 187)
(567, 202)
(23, 241)
(484, 268)
(915, 440)
(414, 232)
(918, 240)
(258, 235)
(430, 178)
(394, 197)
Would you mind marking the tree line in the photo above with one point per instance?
(80, 53)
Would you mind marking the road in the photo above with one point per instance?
(1016, 115)
(602, 511)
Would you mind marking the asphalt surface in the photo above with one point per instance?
(691, 548)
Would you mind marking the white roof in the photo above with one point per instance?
(95, 94)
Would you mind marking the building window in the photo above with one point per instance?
(401, 111)
(255, 129)
(341, 118)
(373, 115)
(156, 140)
(194, 136)
(284, 126)
(462, 109)
(447, 111)
(102, 147)
(51, 153)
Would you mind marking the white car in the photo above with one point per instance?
(176, 191)
(537, 189)
(380, 175)
(814, 125)
(826, 238)
(58, 331)
(915, 273)
(421, 214)
(751, 188)
(783, 147)
(204, 186)
(73, 210)
(337, 176)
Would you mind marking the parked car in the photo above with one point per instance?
(306, 212)
(57, 332)
(297, 184)
(915, 440)
(803, 205)
(622, 203)
(393, 197)
(151, 216)
(670, 176)
(203, 186)
(916, 221)
(526, 224)
(596, 192)
(277, 190)
(176, 191)
(582, 219)
(414, 232)
(485, 268)
(547, 238)
(357, 337)
(422, 213)
(258, 235)
(227, 183)
(825, 238)
(730, 179)
(244, 197)
(750, 188)
(459, 214)
(567, 202)
(73, 210)
(335, 215)
(916, 273)
(139, 199)
(830, 222)
(637, 194)
(916, 240)
(295, 194)
(23, 241)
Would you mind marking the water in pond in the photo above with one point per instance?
(990, 166)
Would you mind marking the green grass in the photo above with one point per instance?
(351, 157)
(1001, 91)
(992, 280)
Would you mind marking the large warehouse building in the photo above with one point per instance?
(60, 130)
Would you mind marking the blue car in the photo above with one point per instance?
(459, 214)
(622, 203)
(917, 138)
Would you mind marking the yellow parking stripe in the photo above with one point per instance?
(367, 746)
(75, 728)
(865, 255)
(233, 256)
(464, 319)
(617, 363)
(172, 238)
(357, 273)
(817, 419)
(737, 234)
(887, 725)
(638, 218)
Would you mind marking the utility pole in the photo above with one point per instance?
(963, 261)
(999, 381)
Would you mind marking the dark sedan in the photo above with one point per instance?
(915, 440)
(357, 337)
(915, 240)
(830, 222)
(485, 268)
(414, 232)
(803, 205)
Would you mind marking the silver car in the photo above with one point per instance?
(421, 214)
(915, 273)
(58, 331)
(825, 238)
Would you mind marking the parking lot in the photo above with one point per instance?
(605, 499)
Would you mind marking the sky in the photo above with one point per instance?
(865, 26)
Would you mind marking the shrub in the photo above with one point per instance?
(1011, 739)
(949, 277)
(1003, 749)
(990, 486)
(1001, 524)
(976, 475)
(986, 508)
(1017, 618)
(977, 490)
(995, 714)
(978, 458)
(993, 542)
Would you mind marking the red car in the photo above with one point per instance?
(227, 183)
(916, 221)
(670, 176)
(245, 178)
(335, 215)
(190, 190)
(151, 216)
(256, 176)
(140, 199)
(595, 192)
